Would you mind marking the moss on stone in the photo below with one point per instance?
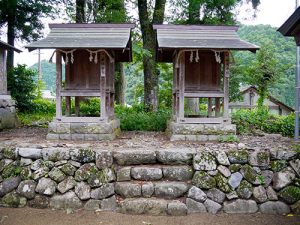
(68, 169)
(249, 173)
(244, 190)
(25, 173)
(222, 183)
(9, 152)
(263, 158)
(12, 170)
(297, 182)
(203, 180)
(278, 165)
(235, 168)
(85, 155)
(238, 156)
(290, 194)
(12, 199)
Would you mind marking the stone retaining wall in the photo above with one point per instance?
(156, 182)
(8, 118)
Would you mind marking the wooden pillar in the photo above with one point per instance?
(103, 86)
(3, 73)
(226, 85)
(68, 105)
(218, 107)
(181, 86)
(209, 107)
(77, 105)
(58, 85)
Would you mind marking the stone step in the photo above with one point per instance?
(164, 190)
(155, 173)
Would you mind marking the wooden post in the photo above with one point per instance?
(58, 85)
(218, 107)
(3, 73)
(103, 86)
(68, 105)
(209, 107)
(181, 86)
(77, 105)
(226, 85)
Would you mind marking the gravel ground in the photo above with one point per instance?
(29, 216)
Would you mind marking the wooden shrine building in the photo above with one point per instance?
(8, 118)
(201, 58)
(87, 53)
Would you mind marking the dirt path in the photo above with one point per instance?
(29, 216)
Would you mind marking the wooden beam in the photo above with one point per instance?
(103, 85)
(226, 85)
(3, 74)
(181, 86)
(58, 85)
(204, 94)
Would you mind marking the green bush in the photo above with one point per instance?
(41, 106)
(22, 86)
(247, 121)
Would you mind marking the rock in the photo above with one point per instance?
(278, 165)
(74, 163)
(26, 173)
(60, 163)
(283, 179)
(235, 168)
(170, 190)
(271, 194)
(68, 200)
(222, 183)
(123, 174)
(295, 164)
(212, 172)
(203, 180)
(204, 161)
(85, 171)
(27, 189)
(274, 208)
(176, 208)
(178, 173)
(216, 195)
(260, 194)
(245, 190)
(83, 191)
(10, 152)
(37, 164)
(267, 177)
(4, 163)
(251, 175)
(146, 173)
(175, 157)
(129, 157)
(39, 202)
(232, 195)
(259, 158)
(197, 194)
(66, 185)
(92, 205)
(46, 186)
(41, 172)
(31, 153)
(68, 169)
(83, 155)
(235, 180)
(212, 207)
(222, 158)
(12, 199)
(147, 190)
(224, 171)
(282, 154)
(109, 204)
(144, 206)
(239, 157)
(56, 175)
(104, 159)
(25, 162)
(194, 206)
(55, 154)
(241, 146)
(296, 207)
(9, 185)
(290, 194)
(240, 206)
(128, 190)
(102, 192)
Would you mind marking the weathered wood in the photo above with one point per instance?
(83, 93)
(218, 107)
(204, 94)
(68, 106)
(58, 85)
(226, 85)
(3, 74)
(77, 105)
(210, 120)
(181, 87)
(209, 107)
(103, 85)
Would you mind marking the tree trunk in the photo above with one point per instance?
(120, 84)
(80, 11)
(149, 43)
(193, 106)
(10, 40)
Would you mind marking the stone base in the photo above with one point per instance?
(199, 132)
(8, 117)
(83, 131)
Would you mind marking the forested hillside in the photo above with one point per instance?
(282, 47)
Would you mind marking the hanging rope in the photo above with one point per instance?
(218, 56)
(191, 56)
(66, 53)
(197, 56)
(95, 58)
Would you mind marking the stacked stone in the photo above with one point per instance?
(8, 118)
(156, 182)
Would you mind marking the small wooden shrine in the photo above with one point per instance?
(201, 58)
(89, 53)
(8, 117)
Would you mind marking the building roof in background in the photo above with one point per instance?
(291, 25)
(4, 45)
(201, 37)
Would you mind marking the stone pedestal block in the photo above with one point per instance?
(8, 117)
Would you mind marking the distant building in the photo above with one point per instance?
(250, 97)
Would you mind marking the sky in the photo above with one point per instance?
(273, 12)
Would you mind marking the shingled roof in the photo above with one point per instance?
(6, 46)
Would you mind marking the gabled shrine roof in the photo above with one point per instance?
(201, 37)
(292, 25)
(6, 46)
